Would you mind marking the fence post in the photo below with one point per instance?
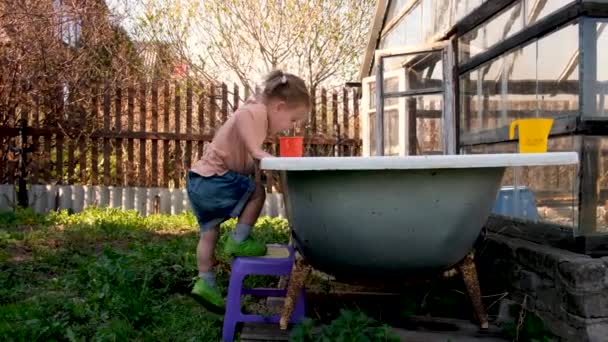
(154, 149)
(224, 103)
(177, 171)
(346, 149)
(335, 125)
(22, 199)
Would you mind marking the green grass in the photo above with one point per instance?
(107, 275)
(348, 326)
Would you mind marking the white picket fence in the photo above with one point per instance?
(45, 198)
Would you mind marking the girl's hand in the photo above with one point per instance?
(261, 154)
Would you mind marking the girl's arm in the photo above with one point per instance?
(249, 131)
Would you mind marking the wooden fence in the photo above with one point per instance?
(148, 135)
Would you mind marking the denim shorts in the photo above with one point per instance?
(216, 199)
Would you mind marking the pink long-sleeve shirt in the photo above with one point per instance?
(228, 151)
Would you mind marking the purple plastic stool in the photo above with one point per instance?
(244, 266)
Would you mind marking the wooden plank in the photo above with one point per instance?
(313, 111)
(235, 97)
(142, 142)
(130, 141)
(346, 122)
(178, 148)
(47, 166)
(189, 108)
(323, 110)
(188, 159)
(94, 161)
(345, 114)
(71, 164)
(82, 160)
(59, 158)
(412, 129)
(356, 122)
(312, 122)
(212, 108)
(119, 145)
(106, 162)
(106, 141)
(130, 108)
(335, 125)
(224, 102)
(177, 113)
(201, 110)
(94, 142)
(154, 149)
(34, 159)
(166, 111)
(201, 121)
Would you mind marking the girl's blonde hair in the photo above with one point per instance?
(286, 87)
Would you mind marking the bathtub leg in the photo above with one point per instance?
(299, 273)
(469, 274)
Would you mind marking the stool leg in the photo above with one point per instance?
(300, 309)
(299, 273)
(233, 306)
(469, 274)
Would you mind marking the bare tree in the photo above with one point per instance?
(54, 52)
(55, 56)
(318, 39)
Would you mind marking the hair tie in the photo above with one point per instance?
(283, 79)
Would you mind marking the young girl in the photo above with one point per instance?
(220, 185)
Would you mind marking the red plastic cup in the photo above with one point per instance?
(291, 146)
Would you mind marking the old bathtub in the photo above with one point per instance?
(390, 217)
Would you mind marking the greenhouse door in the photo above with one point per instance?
(412, 111)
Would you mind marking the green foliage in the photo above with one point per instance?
(22, 217)
(351, 326)
(106, 275)
(531, 329)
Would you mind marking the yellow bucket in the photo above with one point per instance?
(533, 134)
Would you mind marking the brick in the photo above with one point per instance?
(587, 305)
(584, 274)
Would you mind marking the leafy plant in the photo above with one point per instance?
(22, 217)
(529, 328)
(351, 326)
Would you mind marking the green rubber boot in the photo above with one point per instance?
(249, 247)
(208, 296)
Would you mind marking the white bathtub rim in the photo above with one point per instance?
(420, 162)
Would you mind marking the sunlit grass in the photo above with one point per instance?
(106, 274)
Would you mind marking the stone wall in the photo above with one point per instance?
(568, 290)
